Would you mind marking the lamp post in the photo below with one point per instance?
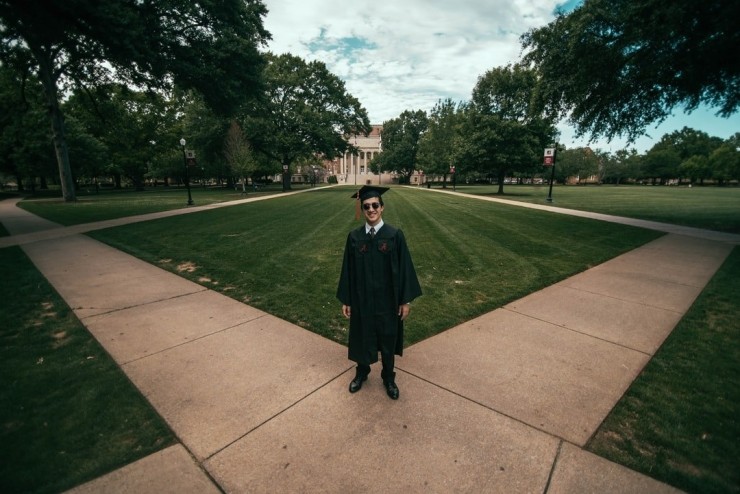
(187, 173)
(550, 156)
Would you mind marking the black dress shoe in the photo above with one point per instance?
(356, 383)
(391, 389)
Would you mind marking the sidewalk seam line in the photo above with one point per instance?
(471, 400)
(274, 416)
(620, 345)
(193, 340)
(143, 304)
(552, 469)
(612, 297)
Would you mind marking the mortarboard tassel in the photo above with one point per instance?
(357, 207)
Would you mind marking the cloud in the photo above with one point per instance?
(396, 56)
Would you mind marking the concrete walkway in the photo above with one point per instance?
(502, 403)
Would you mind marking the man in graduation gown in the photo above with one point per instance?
(376, 285)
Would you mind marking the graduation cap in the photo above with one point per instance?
(368, 191)
(365, 193)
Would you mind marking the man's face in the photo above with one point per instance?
(373, 210)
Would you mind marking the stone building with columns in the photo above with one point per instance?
(354, 169)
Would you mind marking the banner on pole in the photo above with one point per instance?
(549, 156)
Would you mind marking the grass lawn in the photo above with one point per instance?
(111, 204)
(680, 420)
(68, 413)
(284, 256)
(712, 208)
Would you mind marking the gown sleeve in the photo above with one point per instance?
(343, 288)
(409, 287)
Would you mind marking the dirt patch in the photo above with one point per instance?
(187, 267)
(60, 339)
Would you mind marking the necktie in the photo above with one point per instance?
(372, 232)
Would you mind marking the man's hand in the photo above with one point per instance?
(346, 310)
(403, 311)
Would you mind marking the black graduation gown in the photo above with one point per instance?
(377, 277)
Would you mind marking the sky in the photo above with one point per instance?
(409, 54)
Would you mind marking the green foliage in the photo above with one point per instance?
(25, 152)
(401, 140)
(239, 154)
(205, 132)
(623, 164)
(69, 414)
(129, 127)
(661, 164)
(614, 67)
(577, 162)
(506, 130)
(678, 422)
(725, 163)
(211, 47)
(439, 145)
(305, 111)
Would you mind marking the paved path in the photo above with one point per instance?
(502, 403)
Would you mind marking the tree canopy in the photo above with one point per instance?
(439, 145)
(613, 67)
(401, 138)
(305, 111)
(505, 130)
(210, 47)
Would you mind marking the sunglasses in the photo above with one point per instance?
(374, 205)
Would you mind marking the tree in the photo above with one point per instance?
(696, 168)
(506, 130)
(211, 47)
(401, 137)
(205, 131)
(579, 163)
(661, 163)
(685, 144)
(614, 67)
(305, 111)
(725, 163)
(438, 146)
(688, 142)
(26, 152)
(238, 154)
(133, 125)
(623, 164)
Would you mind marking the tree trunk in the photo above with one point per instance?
(46, 74)
(501, 177)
